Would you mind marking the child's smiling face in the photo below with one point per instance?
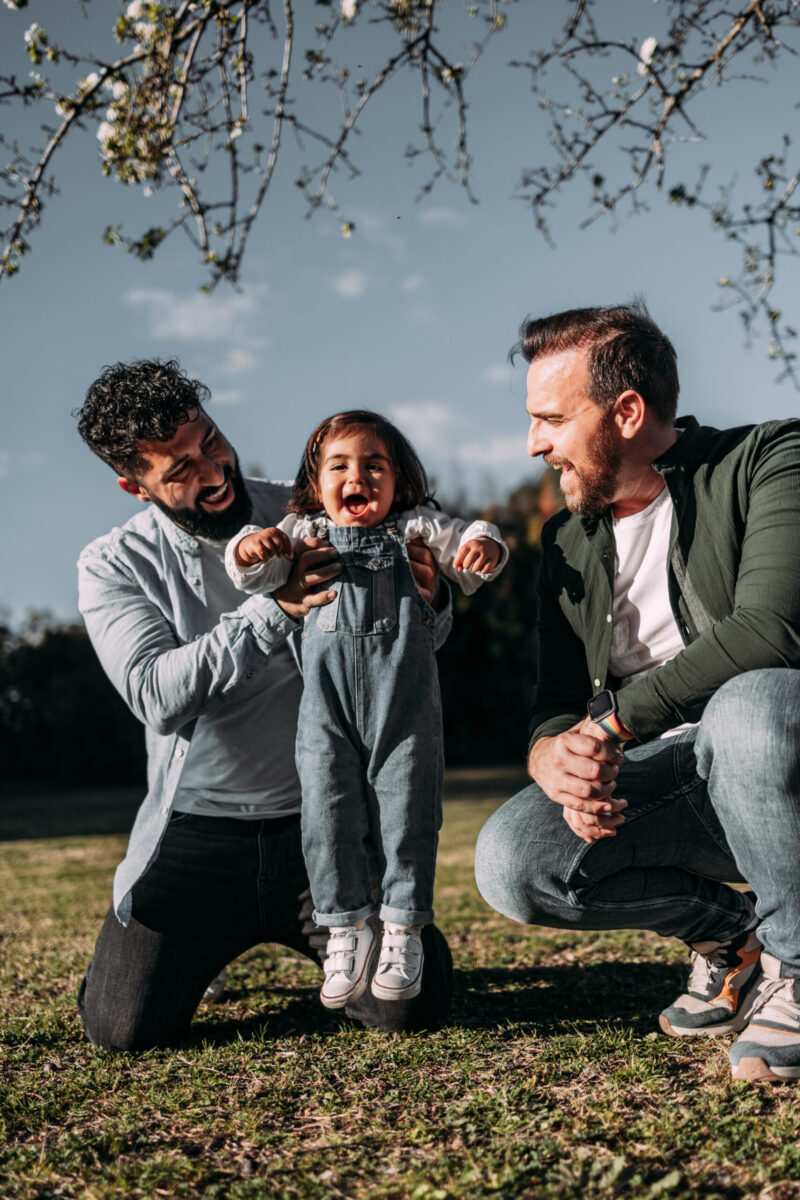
(356, 479)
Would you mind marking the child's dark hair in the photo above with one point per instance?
(412, 487)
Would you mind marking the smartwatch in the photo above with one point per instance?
(602, 709)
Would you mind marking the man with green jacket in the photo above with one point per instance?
(665, 732)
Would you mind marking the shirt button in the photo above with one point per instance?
(373, 564)
(597, 683)
(193, 543)
(609, 618)
(179, 753)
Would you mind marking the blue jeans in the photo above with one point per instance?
(369, 738)
(713, 804)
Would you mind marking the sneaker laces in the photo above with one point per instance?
(778, 1002)
(709, 958)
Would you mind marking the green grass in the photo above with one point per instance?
(549, 1081)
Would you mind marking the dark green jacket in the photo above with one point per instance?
(733, 579)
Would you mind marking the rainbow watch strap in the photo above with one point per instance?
(612, 725)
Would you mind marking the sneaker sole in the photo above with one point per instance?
(735, 1024)
(406, 993)
(713, 1031)
(358, 989)
(756, 1070)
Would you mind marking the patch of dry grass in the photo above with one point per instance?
(549, 1081)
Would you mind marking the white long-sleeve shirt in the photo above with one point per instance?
(443, 535)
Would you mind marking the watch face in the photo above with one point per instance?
(601, 706)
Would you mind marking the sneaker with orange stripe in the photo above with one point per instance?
(722, 989)
(769, 1047)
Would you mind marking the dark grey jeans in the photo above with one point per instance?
(218, 887)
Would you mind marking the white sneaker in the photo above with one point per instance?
(349, 952)
(399, 973)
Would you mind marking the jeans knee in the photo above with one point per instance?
(506, 875)
(113, 1028)
(755, 710)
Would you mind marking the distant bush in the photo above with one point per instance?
(60, 718)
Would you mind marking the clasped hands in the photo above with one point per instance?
(578, 769)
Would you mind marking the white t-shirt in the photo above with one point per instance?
(645, 633)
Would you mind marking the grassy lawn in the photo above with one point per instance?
(549, 1081)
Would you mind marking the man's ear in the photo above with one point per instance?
(629, 413)
(133, 488)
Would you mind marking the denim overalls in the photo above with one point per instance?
(369, 739)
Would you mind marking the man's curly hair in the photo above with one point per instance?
(142, 401)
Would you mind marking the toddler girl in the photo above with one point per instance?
(369, 741)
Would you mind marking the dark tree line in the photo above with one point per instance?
(62, 721)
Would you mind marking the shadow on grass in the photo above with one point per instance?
(544, 998)
(583, 995)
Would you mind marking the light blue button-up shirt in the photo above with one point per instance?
(141, 595)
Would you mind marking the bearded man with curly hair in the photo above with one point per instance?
(214, 863)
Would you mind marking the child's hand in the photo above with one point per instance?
(258, 547)
(478, 554)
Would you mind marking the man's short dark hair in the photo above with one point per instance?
(142, 401)
(627, 351)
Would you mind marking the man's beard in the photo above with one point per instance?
(221, 525)
(597, 481)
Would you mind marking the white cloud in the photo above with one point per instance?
(443, 438)
(504, 451)
(239, 359)
(20, 459)
(228, 396)
(447, 217)
(499, 374)
(230, 323)
(421, 314)
(350, 285)
(429, 426)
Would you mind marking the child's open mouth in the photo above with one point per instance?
(356, 505)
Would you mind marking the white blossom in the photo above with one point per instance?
(89, 82)
(646, 52)
(32, 34)
(105, 131)
(145, 32)
(349, 9)
(136, 9)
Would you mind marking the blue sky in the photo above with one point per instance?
(414, 315)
